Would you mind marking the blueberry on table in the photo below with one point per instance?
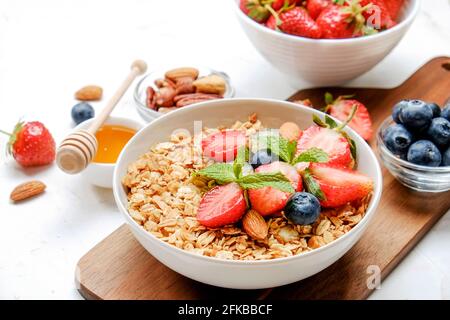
(439, 132)
(425, 153)
(445, 113)
(397, 139)
(302, 208)
(435, 108)
(446, 158)
(263, 156)
(82, 112)
(416, 115)
(397, 108)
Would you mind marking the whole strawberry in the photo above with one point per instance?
(31, 144)
(394, 7)
(342, 21)
(315, 7)
(278, 4)
(377, 14)
(295, 21)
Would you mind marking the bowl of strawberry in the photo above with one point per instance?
(325, 42)
(261, 192)
(414, 145)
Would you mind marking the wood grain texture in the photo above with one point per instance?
(119, 268)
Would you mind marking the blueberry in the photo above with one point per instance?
(425, 153)
(439, 132)
(302, 208)
(397, 108)
(445, 113)
(82, 112)
(397, 139)
(435, 108)
(446, 158)
(261, 157)
(416, 115)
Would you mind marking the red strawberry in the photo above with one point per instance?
(221, 205)
(361, 122)
(278, 4)
(315, 7)
(394, 7)
(339, 185)
(31, 144)
(378, 13)
(268, 200)
(330, 141)
(222, 146)
(338, 22)
(271, 23)
(255, 10)
(295, 21)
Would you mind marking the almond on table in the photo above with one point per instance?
(27, 190)
(89, 93)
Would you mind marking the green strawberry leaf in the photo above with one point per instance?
(330, 122)
(275, 180)
(319, 121)
(329, 98)
(222, 173)
(312, 185)
(352, 144)
(312, 155)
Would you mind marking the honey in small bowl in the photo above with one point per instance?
(111, 139)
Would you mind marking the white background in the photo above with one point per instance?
(50, 48)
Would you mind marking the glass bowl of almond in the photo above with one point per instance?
(164, 90)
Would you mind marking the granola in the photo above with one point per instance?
(163, 198)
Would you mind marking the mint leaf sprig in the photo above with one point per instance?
(224, 173)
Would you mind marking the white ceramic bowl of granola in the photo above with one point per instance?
(235, 273)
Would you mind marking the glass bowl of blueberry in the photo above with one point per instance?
(414, 145)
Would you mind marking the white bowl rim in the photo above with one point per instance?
(371, 208)
(112, 119)
(415, 9)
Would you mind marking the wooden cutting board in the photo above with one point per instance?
(120, 268)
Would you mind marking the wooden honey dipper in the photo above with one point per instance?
(79, 148)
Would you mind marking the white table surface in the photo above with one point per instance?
(50, 48)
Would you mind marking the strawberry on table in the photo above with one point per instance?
(295, 21)
(223, 146)
(341, 108)
(315, 7)
(331, 141)
(341, 21)
(339, 185)
(268, 200)
(31, 144)
(221, 205)
(379, 11)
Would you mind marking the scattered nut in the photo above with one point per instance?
(290, 131)
(27, 190)
(89, 93)
(211, 84)
(255, 225)
(150, 101)
(195, 98)
(185, 85)
(161, 83)
(174, 74)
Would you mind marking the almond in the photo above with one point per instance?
(211, 84)
(27, 190)
(174, 74)
(255, 225)
(290, 131)
(89, 93)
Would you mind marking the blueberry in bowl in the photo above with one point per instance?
(413, 145)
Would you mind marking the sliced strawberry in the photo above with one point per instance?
(269, 200)
(222, 146)
(330, 141)
(315, 7)
(339, 185)
(361, 122)
(221, 205)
